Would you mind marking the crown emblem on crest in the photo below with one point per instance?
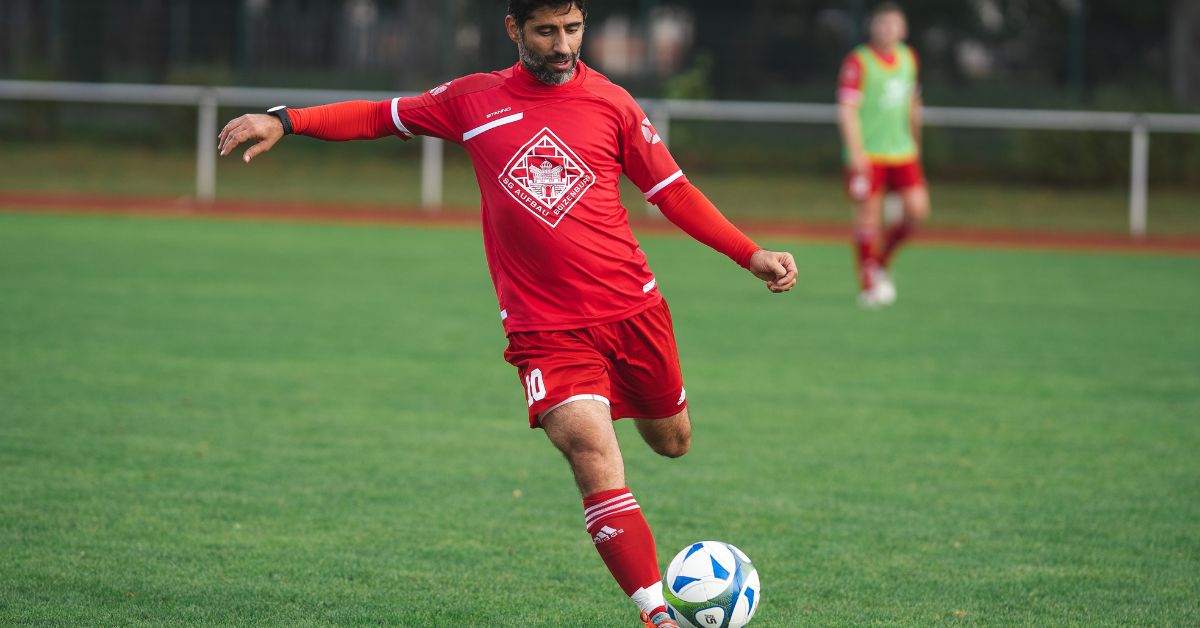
(546, 177)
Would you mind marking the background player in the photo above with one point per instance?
(588, 331)
(879, 114)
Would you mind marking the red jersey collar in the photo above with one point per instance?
(886, 58)
(530, 81)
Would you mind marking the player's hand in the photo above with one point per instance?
(265, 128)
(776, 268)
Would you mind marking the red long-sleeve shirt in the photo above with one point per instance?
(548, 160)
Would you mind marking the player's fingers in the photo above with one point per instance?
(257, 149)
(227, 134)
(252, 152)
(777, 268)
(781, 287)
(236, 137)
(226, 137)
(783, 284)
(228, 145)
(789, 265)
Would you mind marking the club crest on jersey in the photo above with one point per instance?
(547, 177)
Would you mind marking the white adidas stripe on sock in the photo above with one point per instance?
(594, 507)
(588, 523)
(604, 513)
(612, 506)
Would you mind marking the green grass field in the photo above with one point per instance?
(388, 172)
(235, 423)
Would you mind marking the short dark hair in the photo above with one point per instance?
(885, 7)
(522, 10)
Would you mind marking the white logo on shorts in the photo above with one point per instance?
(682, 396)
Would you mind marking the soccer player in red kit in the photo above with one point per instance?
(588, 331)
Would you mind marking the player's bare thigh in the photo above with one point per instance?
(915, 200)
(583, 431)
(868, 213)
(670, 437)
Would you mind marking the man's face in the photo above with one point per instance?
(888, 29)
(549, 43)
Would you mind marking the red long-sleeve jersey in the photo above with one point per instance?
(548, 160)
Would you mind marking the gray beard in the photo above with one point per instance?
(538, 67)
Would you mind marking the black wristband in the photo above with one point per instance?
(281, 113)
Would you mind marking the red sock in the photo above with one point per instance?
(864, 248)
(623, 539)
(896, 236)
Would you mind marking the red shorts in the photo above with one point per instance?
(632, 365)
(884, 177)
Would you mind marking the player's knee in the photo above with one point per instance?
(863, 218)
(674, 445)
(917, 208)
(584, 455)
(677, 448)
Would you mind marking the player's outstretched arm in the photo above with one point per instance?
(691, 211)
(261, 128)
(337, 122)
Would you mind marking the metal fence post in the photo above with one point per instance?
(661, 120)
(1139, 170)
(432, 166)
(206, 147)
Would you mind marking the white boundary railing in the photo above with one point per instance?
(662, 112)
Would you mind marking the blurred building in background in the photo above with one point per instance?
(1080, 53)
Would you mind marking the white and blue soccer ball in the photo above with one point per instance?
(711, 584)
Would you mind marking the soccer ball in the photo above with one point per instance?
(711, 584)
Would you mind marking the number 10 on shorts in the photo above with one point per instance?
(535, 387)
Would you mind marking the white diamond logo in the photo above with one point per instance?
(547, 177)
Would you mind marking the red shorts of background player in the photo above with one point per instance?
(883, 177)
(632, 365)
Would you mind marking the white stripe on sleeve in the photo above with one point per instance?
(664, 183)
(396, 118)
